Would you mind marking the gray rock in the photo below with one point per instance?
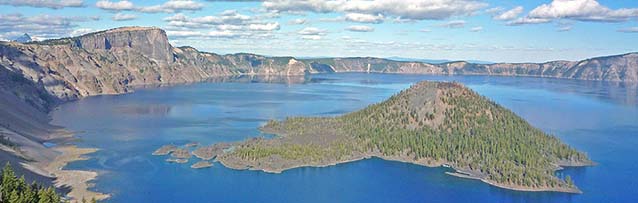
(201, 164)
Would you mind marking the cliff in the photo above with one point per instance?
(112, 61)
(620, 68)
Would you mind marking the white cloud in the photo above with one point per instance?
(581, 10)
(364, 18)
(183, 33)
(229, 27)
(81, 31)
(223, 33)
(415, 9)
(229, 17)
(587, 10)
(510, 14)
(171, 6)
(311, 37)
(360, 28)
(42, 26)
(123, 17)
(526, 20)
(264, 27)
(564, 28)
(115, 6)
(476, 29)
(312, 31)
(298, 21)
(629, 30)
(453, 24)
(226, 24)
(54, 4)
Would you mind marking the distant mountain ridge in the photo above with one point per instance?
(111, 61)
(435, 61)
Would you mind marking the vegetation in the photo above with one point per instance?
(437, 122)
(14, 189)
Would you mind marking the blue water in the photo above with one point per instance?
(598, 118)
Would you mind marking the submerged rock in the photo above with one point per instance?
(191, 144)
(201, 164)
(181, 154)
(164, 150)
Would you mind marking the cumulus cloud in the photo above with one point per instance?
(360, 28)
(453, 24)
(229, 17)
(173, 6)
(226, 24)
(54, 4)
(170, 6)
(414, 10)
(509, 15)
(42, 26)
(364, 18)
(629, 30)
(123, 17)
(115, 6)
(580, 10)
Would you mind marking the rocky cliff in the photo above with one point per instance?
(112, 61)
(621, 68)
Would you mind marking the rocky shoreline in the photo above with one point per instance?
(78, 180)
(427, 163)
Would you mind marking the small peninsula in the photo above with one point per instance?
(431, 124)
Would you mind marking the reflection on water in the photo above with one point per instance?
(599, 118)
(617, 92)
(158, 110)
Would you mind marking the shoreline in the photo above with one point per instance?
(424, 162)
(76, 180)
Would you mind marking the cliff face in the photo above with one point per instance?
(112, 61)
(622, 68)
(150, 42)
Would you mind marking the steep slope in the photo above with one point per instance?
(430, 123)
(112, 61)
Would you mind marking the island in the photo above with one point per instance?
(201, 164)
(431, 124)
(164, 150)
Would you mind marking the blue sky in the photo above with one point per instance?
(490, 30)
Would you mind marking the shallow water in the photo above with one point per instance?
(598, 118)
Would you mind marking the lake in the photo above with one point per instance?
(599, 118)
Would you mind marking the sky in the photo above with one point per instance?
(487, 30)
